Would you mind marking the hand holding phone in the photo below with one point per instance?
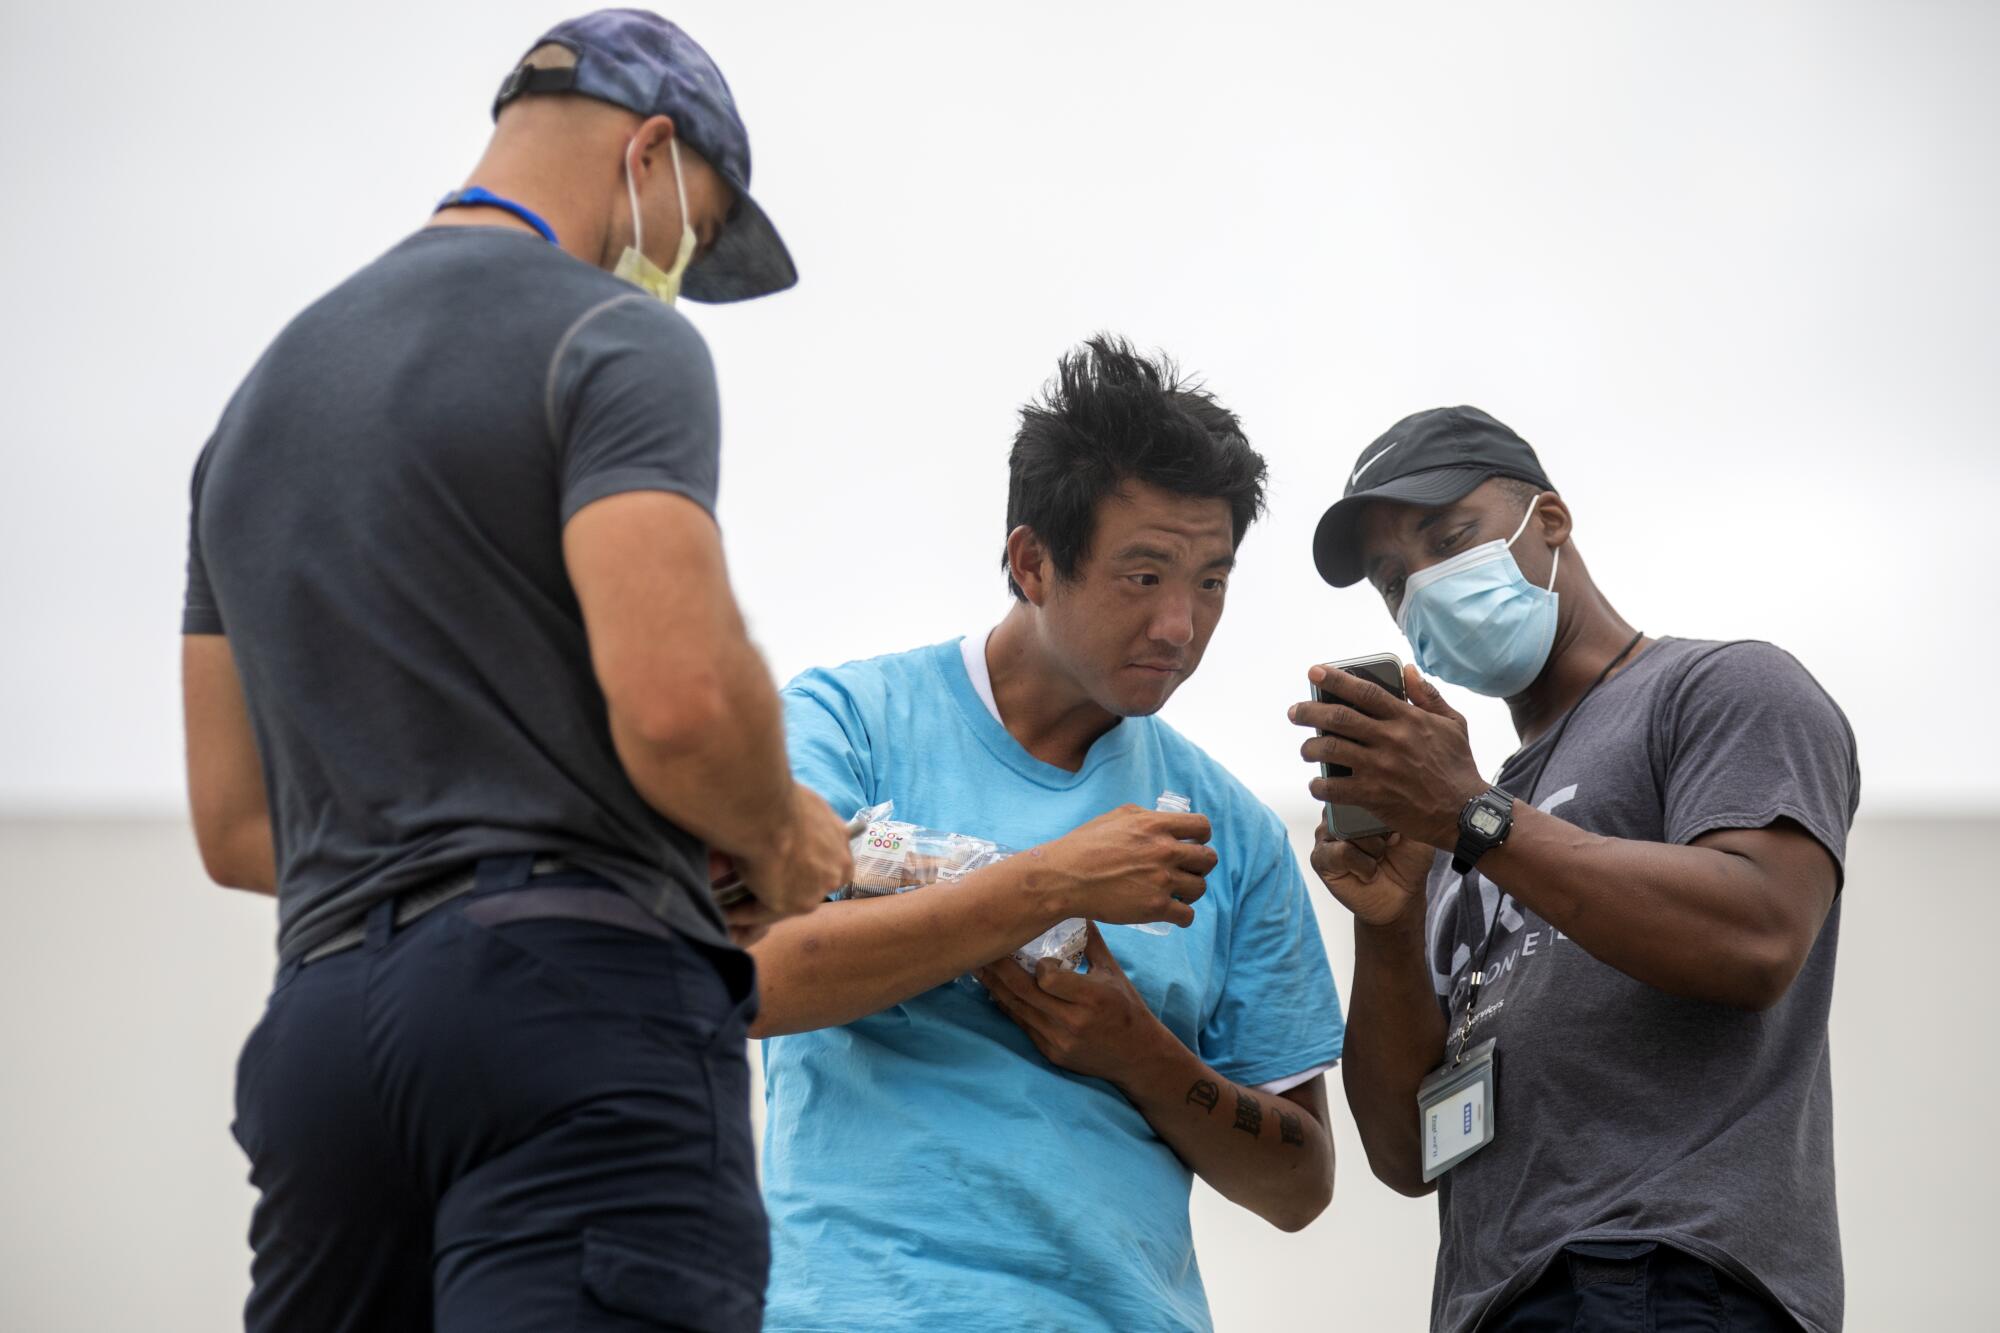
(1348, 822)
(1412, 760)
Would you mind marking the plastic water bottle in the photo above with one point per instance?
(1170, 802)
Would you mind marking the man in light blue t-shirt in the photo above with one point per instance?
(1019, 1153)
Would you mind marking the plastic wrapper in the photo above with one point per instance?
(892, 856)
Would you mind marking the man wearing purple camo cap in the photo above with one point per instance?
(639, 61)
(468, 691)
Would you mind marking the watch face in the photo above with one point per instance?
(1485, 822)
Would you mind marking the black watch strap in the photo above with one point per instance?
(1483, 824)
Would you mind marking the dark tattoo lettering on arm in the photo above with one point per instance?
(1249, 1114)
(1205, 1094)
(1291, 1129)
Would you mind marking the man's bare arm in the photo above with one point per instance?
(232, 815)
(1395, 1036)
(854, 958)
(851, 959)
(1729, 918)
(1269, 1152)
(692, 709)
(1272, 1154)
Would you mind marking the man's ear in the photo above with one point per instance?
(652, 135)
(1552, 520)
(1028, 561)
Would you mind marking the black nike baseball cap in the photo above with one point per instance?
(1428, 458)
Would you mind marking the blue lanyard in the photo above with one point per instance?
(480, 196)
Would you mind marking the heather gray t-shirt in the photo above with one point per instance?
(377, 529)
(1621, 1111)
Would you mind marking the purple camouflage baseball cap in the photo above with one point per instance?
(638, 60)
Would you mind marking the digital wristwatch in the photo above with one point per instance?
(1483, 824)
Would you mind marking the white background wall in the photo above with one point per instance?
(1729, 266)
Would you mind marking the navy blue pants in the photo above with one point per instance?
(508, 1114)
(1638, 1287)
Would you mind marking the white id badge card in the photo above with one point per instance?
(1455, 1110)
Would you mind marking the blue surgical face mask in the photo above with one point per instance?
(1475, 621)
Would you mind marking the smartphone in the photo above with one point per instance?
(1348, 822)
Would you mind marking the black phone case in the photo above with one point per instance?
(1348, 822)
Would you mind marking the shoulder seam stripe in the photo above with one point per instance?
(562, 346)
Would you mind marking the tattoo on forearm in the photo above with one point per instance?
(1205, 1094)
(1291, 1129)
(1249, 1114)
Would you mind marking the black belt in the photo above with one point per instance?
(416, 902)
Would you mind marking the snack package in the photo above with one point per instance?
(891, 856)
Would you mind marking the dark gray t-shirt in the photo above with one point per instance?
(1622, 1111)
(377, 528)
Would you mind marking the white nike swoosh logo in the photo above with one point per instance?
(1371, 463)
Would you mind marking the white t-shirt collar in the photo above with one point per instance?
(973, 648)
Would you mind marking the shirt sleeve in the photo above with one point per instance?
(632, 405)
(1278, 1015)
(827, 739)
(1748, 737)
(199, 613)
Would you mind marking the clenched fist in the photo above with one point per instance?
(1128, 866)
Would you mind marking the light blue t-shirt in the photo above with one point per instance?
(925, 1167)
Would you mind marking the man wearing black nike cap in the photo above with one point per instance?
(1590, 996)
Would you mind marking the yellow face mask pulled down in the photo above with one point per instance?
(633, 266)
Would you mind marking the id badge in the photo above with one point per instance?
(1455, 1110)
